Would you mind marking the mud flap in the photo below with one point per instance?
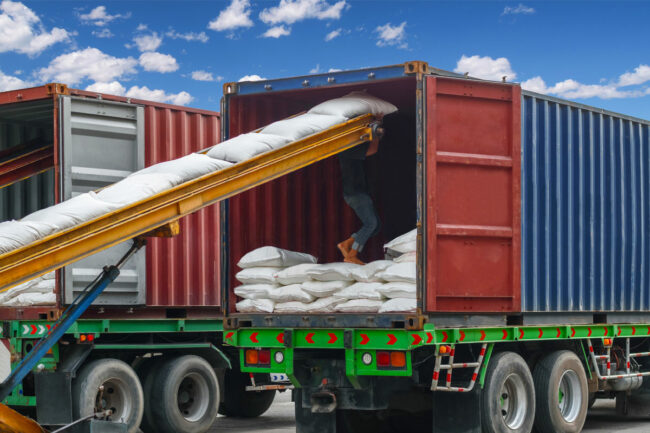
(457, 411)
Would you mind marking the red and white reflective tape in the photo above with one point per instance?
(450, 367)
(607, 358)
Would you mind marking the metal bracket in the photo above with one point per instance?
(416, 67)
(230, 88)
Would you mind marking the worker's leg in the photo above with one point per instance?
(363, 206)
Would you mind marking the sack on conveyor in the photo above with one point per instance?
(302, 126)
(258, 275)
(354, 104)
(188, 167)
(399, 305)
(137, 187)
(322, 289)
(72, 212)
(254, 291)
(273, 256)
(333, 271)
(324, 305)
(255, 306)
(361, 291)
(403, 244)
(399, 290)
(246, 146)
(359, 306)
(405, 272)
(293, 292)
(16, 234)
(368, 273)
(296, 274)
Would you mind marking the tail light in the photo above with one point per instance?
(390, 360)
(258, 357)
(86, 338)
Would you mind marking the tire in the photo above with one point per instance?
(122, 392)
(508, 397)
(239, 403)
(185, 395)
(561, 393)
(147, 372)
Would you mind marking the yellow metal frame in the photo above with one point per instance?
(63, 248)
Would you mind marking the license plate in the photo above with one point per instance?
(279, 377)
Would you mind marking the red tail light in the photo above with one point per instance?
(265, 356)
(383, 359)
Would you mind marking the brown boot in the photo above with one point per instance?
(352, 258)
(345, 247)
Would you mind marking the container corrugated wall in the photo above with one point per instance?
(183, 271)
(585, 208)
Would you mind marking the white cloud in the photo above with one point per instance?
(149, 42)
(292, 11)
(253, 77)
(103, 33)
(315, 70)
(8, 82)
(99, 17)
(517, 10)
(334, 70)
(89, 63)
(640, 75)
(112, 88)
(390, 35)
(158, 95)
(572, 89)
(333, 34)
(158, 62)
(201, 75)
(189, 36)
(142, 27)
(276, 32)
(22, 31)
(236, 15)
(485, 67)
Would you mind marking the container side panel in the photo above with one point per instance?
(183, 271)
(473, 196)
(585, 180)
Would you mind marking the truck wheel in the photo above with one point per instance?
(185, 395)
(238, 402)
(147, 371)
(561, 393)
(121, 392)
(508, 397)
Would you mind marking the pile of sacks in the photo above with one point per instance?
(39, 291)
(280, 281)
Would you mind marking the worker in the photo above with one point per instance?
(357, 195)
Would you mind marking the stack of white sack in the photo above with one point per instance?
(271, 285)
(160, 177)
(39, 291)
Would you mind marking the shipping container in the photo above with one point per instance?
(57, 142)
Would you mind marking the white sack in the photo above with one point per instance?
(406, 257)
(324, 305)
(137, 187)
(367, 273)
(333, 271)
(322, 289)
(359, 306)
(399, 290)
(258, 275)
(399, 272)
(295, 274)
(302, 126)
(399, 305)
(254, 291)
(16, 234)
(188, 167)
(30, 299)
(291, 307)
(405, 243)
(42, 284)
(361, 291)
(255, 306)
(69, 213)
(273, 256)
(246, 146)
(354, 104)
(293, 292)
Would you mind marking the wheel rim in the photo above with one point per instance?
(114, 396)
(569, 396)
(193, 397)
(513, 402)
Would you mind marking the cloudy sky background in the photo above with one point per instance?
(182, 52)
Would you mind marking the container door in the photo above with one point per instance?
(101, 143)
(472, 238)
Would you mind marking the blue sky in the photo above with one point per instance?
(182, 52)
